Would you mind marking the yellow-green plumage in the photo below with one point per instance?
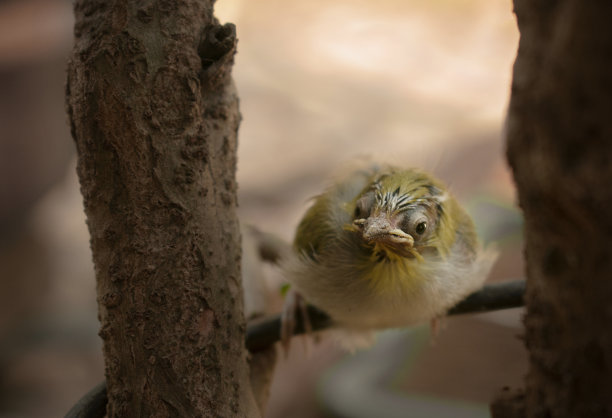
(386, 248)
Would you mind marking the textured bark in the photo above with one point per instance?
(560, 148)
(509, 404)
(154, 115)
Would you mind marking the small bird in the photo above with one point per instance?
(384, 248)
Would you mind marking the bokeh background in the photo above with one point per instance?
(322, 83)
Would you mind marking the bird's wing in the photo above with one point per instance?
(331, 212)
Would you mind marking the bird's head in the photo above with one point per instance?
(404, 214)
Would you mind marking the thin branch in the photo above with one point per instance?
(493, 297)
(92, 404)
(262, 334)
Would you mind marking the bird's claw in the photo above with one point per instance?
(294, 302)
(436, 324)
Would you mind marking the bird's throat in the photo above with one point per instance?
(389, 271)
(390, 252)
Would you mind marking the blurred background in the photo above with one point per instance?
(414, 82)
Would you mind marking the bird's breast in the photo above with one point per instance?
(384, 271)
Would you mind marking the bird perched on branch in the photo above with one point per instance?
(384, 248)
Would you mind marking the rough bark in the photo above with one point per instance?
(154, 115)
(559, 147)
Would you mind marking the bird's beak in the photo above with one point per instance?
(379, 229)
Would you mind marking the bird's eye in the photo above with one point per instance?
(363, 206)
(416, 224)
(420, 228)
(357, 213)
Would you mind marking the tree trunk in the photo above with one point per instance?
(560, 148)
(154, 115)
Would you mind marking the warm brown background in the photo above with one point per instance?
(421, 83)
